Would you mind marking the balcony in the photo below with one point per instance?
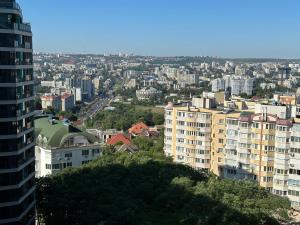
(10, 5)
(15, 26)
(25, 27)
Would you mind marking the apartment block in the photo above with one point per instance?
(262, 147)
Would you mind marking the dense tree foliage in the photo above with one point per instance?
(149, 144)
(124, 116)
(69, 115)
(148, 189)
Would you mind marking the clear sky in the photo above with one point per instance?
(225, 28)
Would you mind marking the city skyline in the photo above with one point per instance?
(195, 28)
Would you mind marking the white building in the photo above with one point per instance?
(61, 145)
(218, 85)
(147, 93)
(237, 84)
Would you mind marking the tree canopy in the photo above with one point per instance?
(124, 116)
(147, 188)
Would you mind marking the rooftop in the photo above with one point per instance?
(57, 131)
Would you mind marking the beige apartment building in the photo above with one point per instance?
(238, 145)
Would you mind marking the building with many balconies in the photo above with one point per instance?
(17, 162)
(259, 145)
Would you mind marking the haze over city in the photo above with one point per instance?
(220, 28)
(144, 112)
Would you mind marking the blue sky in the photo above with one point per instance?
(224, 28)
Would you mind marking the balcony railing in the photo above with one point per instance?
(15, 26)
(10, 5)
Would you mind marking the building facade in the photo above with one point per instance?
(61, 145)
(17, 188)
(147, 93)
(261, 147)
(67, 102)
(236, 84)
(51, 101)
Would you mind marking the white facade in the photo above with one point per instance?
(52, 161)
(147, 93)
(218, 85)
(78, 96)
(283, 112)
(294, 167)
(237, 84)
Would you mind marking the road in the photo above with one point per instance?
(96, 106)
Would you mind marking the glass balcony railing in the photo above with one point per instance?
(25, 27)
(10, 5)
(16, 26)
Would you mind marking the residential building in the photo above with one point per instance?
(261, 147)
(87, 88)
(236, 84)
(188, 136)
(147, 93)
(51, 101)
(119, 138)
(61, 145)
(17, 181)
(67, 102)
(294, 166)
(218, 85)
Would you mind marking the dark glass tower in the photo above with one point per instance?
(17, 202)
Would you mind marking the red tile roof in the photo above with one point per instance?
(138, 128)
(118, 138)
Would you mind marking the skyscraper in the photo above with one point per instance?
(17, 201)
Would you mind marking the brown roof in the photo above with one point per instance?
(119, 138)
(138, 128)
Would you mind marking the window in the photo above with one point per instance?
(95, 151)
(48, 166)
(232, 122)
(85, 162)
(68, 155)
(66, 165)
(85, 152)
(220, 150)
(55, 166)
(244, 125)
(294, 193)
(294, 171)
(221, 141)
(267, 179)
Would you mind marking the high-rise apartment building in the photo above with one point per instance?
(17, 166)
(262, 147)
(236, 84)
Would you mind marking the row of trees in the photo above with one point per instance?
(124, 116)
(148, 189)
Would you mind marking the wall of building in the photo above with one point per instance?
(260, 147)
